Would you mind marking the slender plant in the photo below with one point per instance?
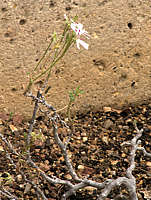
(55, 51)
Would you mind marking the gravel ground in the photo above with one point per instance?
(95, 150)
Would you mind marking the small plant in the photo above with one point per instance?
(11, 115)
(72, 96)
(59, 45)
(37, 136)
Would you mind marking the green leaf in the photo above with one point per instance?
(75, 18)
(71, 96)
(75, 93)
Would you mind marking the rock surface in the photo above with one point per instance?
(115, 71)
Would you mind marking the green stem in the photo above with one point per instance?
(29, 86)
(55, 61)
(68, 42)
(44, 54)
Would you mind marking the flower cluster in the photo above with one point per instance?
(78, 29)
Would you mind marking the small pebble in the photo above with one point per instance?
(125, 127)
(85, 139)
(19, 178)
(107, 109)
(108, 124)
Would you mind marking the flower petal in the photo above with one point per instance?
(78, 29)
(65, 16)
(82, 43)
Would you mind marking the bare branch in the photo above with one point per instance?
(40, 99)
(8, 144)
(129, 181)
(38, 190)
(31, 125)
(7, 194)
(64, 152)
(144, 151)
(119, 181)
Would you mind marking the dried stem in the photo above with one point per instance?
(32, 124)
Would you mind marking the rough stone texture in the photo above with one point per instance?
(115, 71)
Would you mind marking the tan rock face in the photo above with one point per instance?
(115, 71)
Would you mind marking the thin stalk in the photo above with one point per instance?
(64, 48)
(55, 56)
(64, 32)
(68, 110)
(44, 54)
(49, 68)
(29, 86)
(62, 37)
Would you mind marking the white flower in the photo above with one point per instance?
(78, 29)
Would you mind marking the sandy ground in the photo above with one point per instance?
(115, 71)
